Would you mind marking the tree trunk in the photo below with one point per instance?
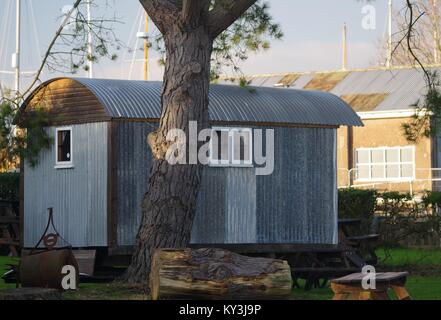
(169, 205)
(217, 274)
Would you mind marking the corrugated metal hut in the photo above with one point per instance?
(95, 174)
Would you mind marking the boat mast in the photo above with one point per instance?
(89, 40)
(389, 42)
(146, 48)
(16, 55)
(344, 48)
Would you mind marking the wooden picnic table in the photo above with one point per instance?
(9, 226)
(365, 244)
(344, 225)
(350, 287)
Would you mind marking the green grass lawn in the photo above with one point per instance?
(91, 291)
(409, 257)
(423, 284)
(4, 261)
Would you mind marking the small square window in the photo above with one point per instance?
(242, 146)
(377, 156)
(393, 171)
(363, 172)
(219, 147)
(377, 172)
(63, 142)
(393, 156)
(363, 156)
(407, 171)
(407, 155)
(231, 147)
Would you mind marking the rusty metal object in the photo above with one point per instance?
(50, 241)
(43, 267)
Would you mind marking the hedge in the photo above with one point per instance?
(9, 186)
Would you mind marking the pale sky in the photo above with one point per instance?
(312, 28)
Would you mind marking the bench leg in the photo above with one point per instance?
(401, 293)
(354, 296)
(340, 296)
(365, 295)
(381, 295)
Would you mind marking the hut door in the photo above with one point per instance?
(241, 206)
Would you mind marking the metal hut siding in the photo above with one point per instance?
(78, 195)
(297, 204)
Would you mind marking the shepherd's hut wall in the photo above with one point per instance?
(133, 161)
(78, 194)
(296, 204)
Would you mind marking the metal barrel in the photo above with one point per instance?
(44, 269)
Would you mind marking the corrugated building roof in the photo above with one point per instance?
(141, 99)
(369, 90)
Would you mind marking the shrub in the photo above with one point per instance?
(9, 186)
(355, 203)
(405, 219)
(360, 204)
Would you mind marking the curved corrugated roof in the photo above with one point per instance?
(141, 100)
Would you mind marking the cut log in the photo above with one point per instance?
(217, 274)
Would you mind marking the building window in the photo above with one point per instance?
(232, 147)
(242, 147)
(220, 147)
(63, 143)
(385, 164)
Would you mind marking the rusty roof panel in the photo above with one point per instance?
(404, 87)
(288, 80)
(326, 81)
(364, 102)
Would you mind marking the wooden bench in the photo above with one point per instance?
(365, 244)
(10, 226)
(350, 287)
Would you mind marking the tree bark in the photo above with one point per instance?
(189, 28)
(217, 274)
(169, 204)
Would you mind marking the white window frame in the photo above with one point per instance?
(241, 163)
(400, 163)
(231, 162)
(63, 164)
(217, 162)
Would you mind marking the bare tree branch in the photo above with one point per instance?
(50, 47)
(410, 32)
(225, 13)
